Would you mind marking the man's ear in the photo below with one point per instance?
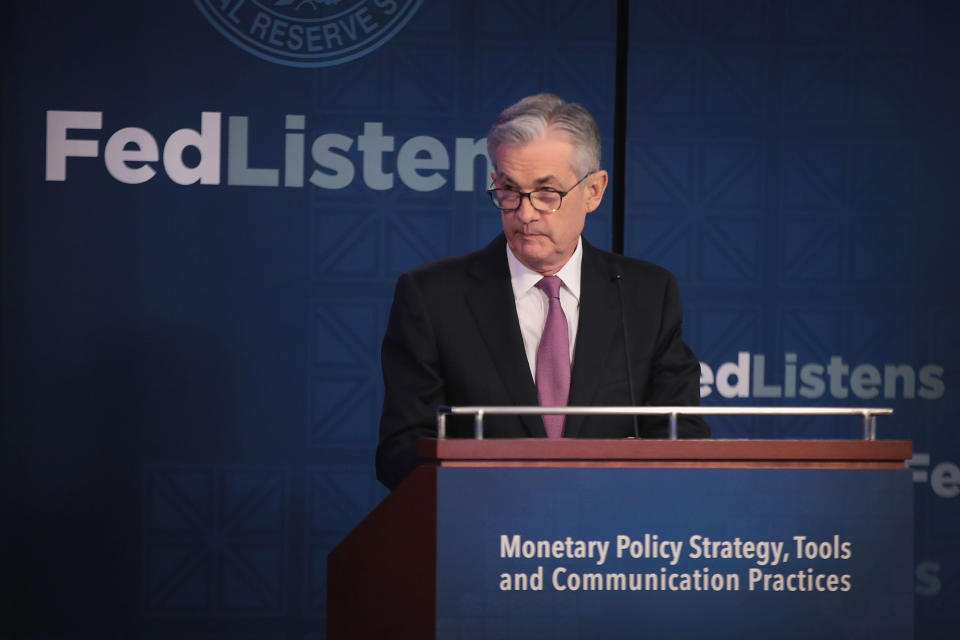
(595, 185)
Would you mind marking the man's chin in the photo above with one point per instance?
(537, 261)
(532, 244)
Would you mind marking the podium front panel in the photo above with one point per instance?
(684, 553)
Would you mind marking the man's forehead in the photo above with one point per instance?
(557, 142)
(543, 179)
(548, 159)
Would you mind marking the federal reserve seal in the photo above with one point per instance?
(308, 33)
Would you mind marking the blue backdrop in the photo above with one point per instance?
(205, 206)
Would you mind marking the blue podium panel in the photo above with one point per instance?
(680, 553)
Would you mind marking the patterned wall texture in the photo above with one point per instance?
(192, 304)
(784, 161)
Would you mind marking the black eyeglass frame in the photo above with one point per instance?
(527, 194)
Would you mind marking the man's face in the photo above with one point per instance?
(541, 240)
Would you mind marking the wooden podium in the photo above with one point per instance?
(429, 561)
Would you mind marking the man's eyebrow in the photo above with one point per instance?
(547, 179)
(503, 177)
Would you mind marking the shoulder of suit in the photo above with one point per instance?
(628, 266)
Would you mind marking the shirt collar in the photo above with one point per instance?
(523, 278)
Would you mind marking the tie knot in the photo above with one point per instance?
(550, 285)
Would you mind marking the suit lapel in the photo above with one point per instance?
(599, 318)
(490, 299)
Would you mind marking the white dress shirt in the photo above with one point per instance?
(533, 305)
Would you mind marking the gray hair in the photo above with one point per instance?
(534, 116)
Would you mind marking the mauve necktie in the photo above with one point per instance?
(553, 358)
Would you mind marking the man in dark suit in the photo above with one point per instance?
(474, 329)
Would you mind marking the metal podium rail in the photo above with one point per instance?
(868, 414)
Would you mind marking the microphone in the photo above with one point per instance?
(618, 278)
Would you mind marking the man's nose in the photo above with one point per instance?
(525, 212)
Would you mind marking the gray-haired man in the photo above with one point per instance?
(474, 329)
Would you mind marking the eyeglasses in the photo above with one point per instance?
(544, 200)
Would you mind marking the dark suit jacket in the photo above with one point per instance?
(454, 338)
